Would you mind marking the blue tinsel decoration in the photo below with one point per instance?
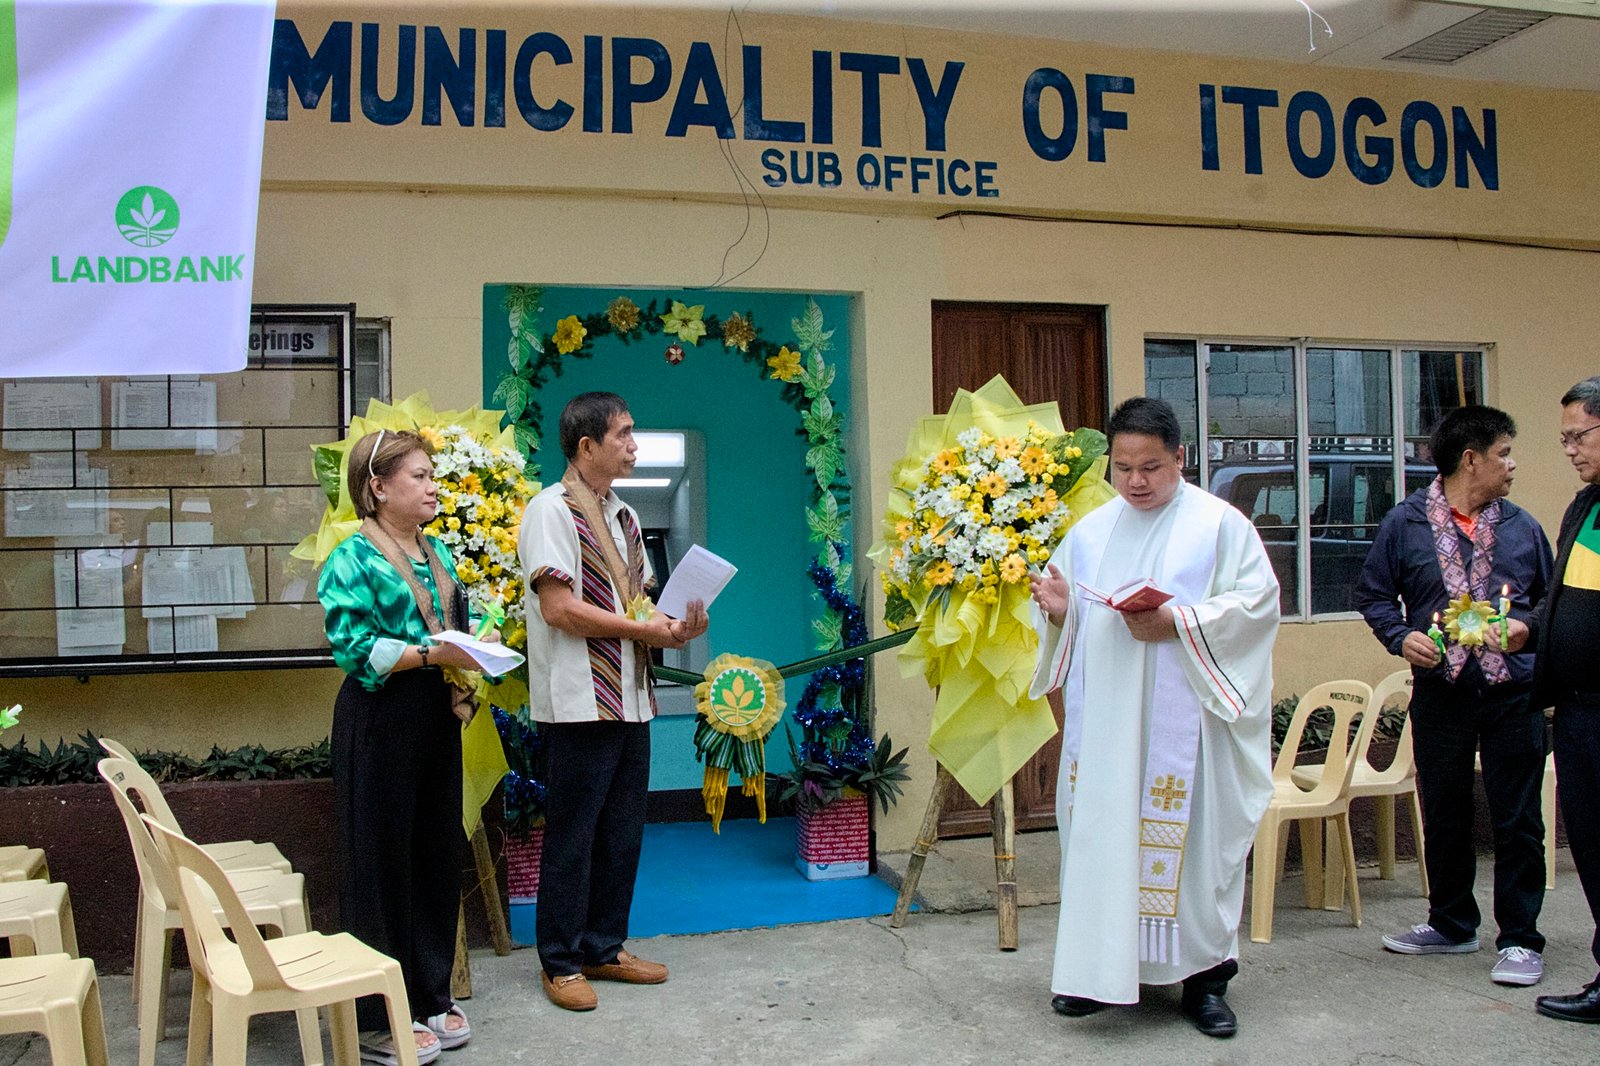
(850, 746)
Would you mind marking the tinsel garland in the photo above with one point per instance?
(833, 735)
(524, 792)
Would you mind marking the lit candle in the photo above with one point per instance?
(1437, 636)
(1505, 614)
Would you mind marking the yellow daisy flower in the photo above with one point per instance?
(945, 462)
(941, 573)
(1006, 447)
(1013, 568)
(993, 484)
(1035, 461)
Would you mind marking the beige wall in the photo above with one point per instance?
(411, 224)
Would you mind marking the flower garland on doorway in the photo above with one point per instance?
(830, 710)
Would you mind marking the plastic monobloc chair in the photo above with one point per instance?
(1327, 801)
(21, 863)
(236, 979)
(59, 997)
(232, 854)
(272, 899)
(36, 917)
(1397, 779)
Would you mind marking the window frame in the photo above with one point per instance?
(1203, 345)
(278, 657)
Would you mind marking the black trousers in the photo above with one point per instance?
(597, 784)
(1450, 723)
(397, 793)
(1213, 981)
(1577, 746)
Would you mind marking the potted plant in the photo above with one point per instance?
(524, 804)
(832, 786)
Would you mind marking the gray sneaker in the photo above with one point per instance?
(1424, 939)
(1517, 966)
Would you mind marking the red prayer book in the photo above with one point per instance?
(1140, 594)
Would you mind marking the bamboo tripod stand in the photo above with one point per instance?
(1002, 821)
(499, 934)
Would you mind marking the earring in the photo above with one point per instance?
(383, 499)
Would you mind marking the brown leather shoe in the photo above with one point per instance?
(569, 992)
(628, 968)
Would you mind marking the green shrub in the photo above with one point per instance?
(1319, 726)
(74, 762)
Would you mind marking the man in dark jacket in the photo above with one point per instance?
(1460, 535)
(1566, 631)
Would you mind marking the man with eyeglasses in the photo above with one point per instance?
(1565, 630)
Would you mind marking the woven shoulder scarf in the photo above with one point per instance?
(1459, 577)
(463, 702)
(626, 577)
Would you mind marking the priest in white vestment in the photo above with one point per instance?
(1166, 749)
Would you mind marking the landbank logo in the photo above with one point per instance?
(147, 217)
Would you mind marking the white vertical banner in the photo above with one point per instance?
(130, 131)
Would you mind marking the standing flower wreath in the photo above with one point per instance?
(983, 494)
(982, 512)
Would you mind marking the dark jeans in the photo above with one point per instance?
(397, 796)
(1577, 745)
(1450, 723)
(597, 784)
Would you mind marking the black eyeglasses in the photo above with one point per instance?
(1569, 440)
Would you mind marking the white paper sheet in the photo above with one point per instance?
(191, 633)
(195, 581)
(144, 412)
(39, 415)
(88, 605)
(492, 659)
(43, 502)
(701, 575)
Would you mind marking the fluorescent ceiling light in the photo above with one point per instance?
(659, 449)
(641, 482)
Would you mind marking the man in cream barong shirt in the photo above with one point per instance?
(1166, 749)
(590, 627)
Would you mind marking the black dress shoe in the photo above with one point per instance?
(1582, 1007)
(1210, 1014)
(1076, 1006)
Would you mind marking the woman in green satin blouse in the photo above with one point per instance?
(396, 741)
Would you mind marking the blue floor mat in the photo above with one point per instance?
(692, 880)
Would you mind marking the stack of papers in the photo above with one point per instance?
(700, 576)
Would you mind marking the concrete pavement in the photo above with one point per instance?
(937, 991)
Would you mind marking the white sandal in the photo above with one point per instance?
(377, 1047)
(450, 1038)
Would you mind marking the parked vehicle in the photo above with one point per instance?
(1348, 496)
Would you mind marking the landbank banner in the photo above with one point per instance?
(130, 171)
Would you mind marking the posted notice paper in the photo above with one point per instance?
(492, 659)
(702, 575)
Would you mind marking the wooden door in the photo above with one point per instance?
(1046, 352)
